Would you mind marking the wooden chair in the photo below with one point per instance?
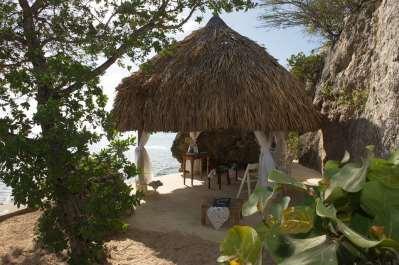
(250, 171)
(218, 172)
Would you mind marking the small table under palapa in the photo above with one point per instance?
(192, 157)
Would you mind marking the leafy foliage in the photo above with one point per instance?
(349, 218)
(324, 17)
(52, 54)
(293, 144)
(307, 68)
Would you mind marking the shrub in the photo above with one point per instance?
(350, 218)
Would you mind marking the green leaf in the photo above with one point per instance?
(350, 178)
(280, 177)
(277, 244)
(346, 157)
(302, 245)
(389, 220)
(297, 220)
(377, 198)
(325, 211)
(222, 259)
(242, 242)
(361, 223)
(384, 171)
(356, 238)
(276, 210)
(382, 203)
(257, 201)
(313, 251)
(337, 194)
(394, 157)
(330, 168)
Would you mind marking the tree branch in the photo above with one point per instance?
(122, 49)
(35, 52)
(37, 6)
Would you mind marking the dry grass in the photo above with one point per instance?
(213, 79)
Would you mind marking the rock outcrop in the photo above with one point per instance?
(223, 146)
(359, 88)
(311, 150)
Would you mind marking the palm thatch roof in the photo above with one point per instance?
(213, 79)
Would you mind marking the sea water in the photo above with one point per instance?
(158, 148)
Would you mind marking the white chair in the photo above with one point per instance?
(250, 171)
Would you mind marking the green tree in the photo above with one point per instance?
(325, 17)
(52, 53)
(307, 68)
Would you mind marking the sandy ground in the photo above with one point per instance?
(177, 207)
(134, 247)
(165, 230)
(9, 208)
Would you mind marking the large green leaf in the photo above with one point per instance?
(361, 223)
(325, 211)
(302, 245)
(382, 203)
(346, 157)
(363, 242)
(355, 237)
(394, 157)
(377, 198)
(276, 210)
(389, 220)
(296, 220)
(277, 244)
(330, 168)
(313, 251)
(337, 194)
(350, 178)
(384, 171)
(257, 201)
(243, 243)
(280, 177)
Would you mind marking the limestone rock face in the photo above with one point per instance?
(223, 146)
(311, 152)
(359, 88)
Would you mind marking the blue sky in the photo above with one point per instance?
(280, 43)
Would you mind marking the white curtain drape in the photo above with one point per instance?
(143, 161)
(266, 162)
(194, 136)
(198, 164)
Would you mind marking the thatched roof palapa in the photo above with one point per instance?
(213, 79)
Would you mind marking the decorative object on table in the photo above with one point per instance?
(217, 216)
(155, 184)
(192, 147)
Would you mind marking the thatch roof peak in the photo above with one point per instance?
(216, 21)
(214, 79)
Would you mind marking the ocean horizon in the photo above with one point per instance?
(158, 148)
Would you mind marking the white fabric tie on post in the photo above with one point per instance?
(198, 164)
(194, 136)
(143, 161)
(266, 162)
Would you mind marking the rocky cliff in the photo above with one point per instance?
(359, 88)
